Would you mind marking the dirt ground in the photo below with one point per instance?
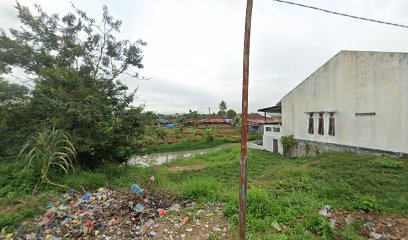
(203, 224)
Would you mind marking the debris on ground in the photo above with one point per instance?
(109, 214)
(325, 211)
(373, 226)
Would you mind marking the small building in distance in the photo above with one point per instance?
(256, 122)
(215, 121)
(356, 102)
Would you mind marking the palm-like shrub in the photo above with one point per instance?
(48, 151)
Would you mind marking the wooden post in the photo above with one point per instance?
(244, 130)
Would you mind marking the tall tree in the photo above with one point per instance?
(77, 64)
(222, 108)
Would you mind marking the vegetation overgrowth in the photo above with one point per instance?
(282, 190)
(74, 64)
(161, 139)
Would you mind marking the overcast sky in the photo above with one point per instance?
(194, 52)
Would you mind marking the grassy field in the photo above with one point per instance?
(286, 191)
(188, 138)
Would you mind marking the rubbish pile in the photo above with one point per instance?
(374, 226)
(105, 214)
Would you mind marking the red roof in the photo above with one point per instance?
(216, 119)
(255, 119)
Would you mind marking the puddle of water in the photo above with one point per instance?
(160, 158)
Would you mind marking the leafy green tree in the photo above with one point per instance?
(11, 93)
(77, 64)
(231, 113)
(13, 108)
(237, 120)
(182, 119)
(193, 114)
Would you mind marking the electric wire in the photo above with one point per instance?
(343, 14)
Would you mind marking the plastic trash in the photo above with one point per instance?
(139, 207)
(175, 207)
(186, 220)
(153, 234)
(325, 211)
(162, 212)
(276, 226)
(136, 189)
(216, 229)
(86, 197)
(88, 224)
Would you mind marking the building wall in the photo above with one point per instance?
(354, 82)
(267, 140)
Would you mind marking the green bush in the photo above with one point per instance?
(367, 204)
(209, 135)
(288, 143)
(320, 225)
(387, 162)
(47, 152)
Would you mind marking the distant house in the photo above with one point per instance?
(356, 102)
(215, 121)
(162, 122)
(257, 121)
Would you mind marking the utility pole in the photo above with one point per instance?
(209, 111)
(244, 130)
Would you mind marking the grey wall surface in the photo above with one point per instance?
(349, 83)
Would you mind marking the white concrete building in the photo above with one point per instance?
(271, 138)
(357, 101)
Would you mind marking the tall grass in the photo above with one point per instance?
(48, 151)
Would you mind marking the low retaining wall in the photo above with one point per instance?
(254, 145)
(311, 148)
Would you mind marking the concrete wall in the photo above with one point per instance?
(311, 148)
(268, 137)
(354, 82)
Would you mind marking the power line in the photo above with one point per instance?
(343, 14)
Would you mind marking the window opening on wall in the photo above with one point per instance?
(276, 129)
(321, 124)
(311, 124)
(365, 114)
(332, 126)
(268, 129)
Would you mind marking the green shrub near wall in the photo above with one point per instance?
(288, 144)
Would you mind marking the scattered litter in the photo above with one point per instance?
(216, 229)
(369, 223)
(135, 214)
(375, 235)
(186, 220)
(105, 213)
(276, 226)
(136, 189)
(139, 207)
(162, 212)
(88, 224)
(175, 207)
(86, 197)
(325, 211)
